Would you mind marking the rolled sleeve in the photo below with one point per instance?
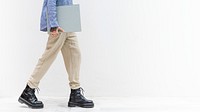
(52, 17)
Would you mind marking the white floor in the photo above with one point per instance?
(107, 104)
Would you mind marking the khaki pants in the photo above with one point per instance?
(68, 44)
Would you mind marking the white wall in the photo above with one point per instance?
(129, 48)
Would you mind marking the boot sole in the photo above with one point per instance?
(87, 105)
(23, 101)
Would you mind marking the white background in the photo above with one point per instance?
(129, 48)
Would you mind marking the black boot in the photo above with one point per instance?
(77, 99)
(28, 97)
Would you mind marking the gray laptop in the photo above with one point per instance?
(68, 17)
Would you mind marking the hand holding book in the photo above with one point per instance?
(55, 30)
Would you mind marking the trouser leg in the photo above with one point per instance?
(72, 59)
(53, 46)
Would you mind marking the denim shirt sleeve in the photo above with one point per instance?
(51, 10)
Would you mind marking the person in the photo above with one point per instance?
(58, 40)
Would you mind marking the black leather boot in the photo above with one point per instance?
(28, 97)
(77, 99)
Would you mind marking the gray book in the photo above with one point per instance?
(68, 17)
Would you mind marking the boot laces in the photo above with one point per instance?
(33, 96)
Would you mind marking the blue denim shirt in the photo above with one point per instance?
(51, 6)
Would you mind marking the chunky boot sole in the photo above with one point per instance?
(86, 105)
(23, 101)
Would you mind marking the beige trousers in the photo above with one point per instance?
(68, 44)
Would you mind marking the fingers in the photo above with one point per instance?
(59, 28)
(54, 34)
(54, 31)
